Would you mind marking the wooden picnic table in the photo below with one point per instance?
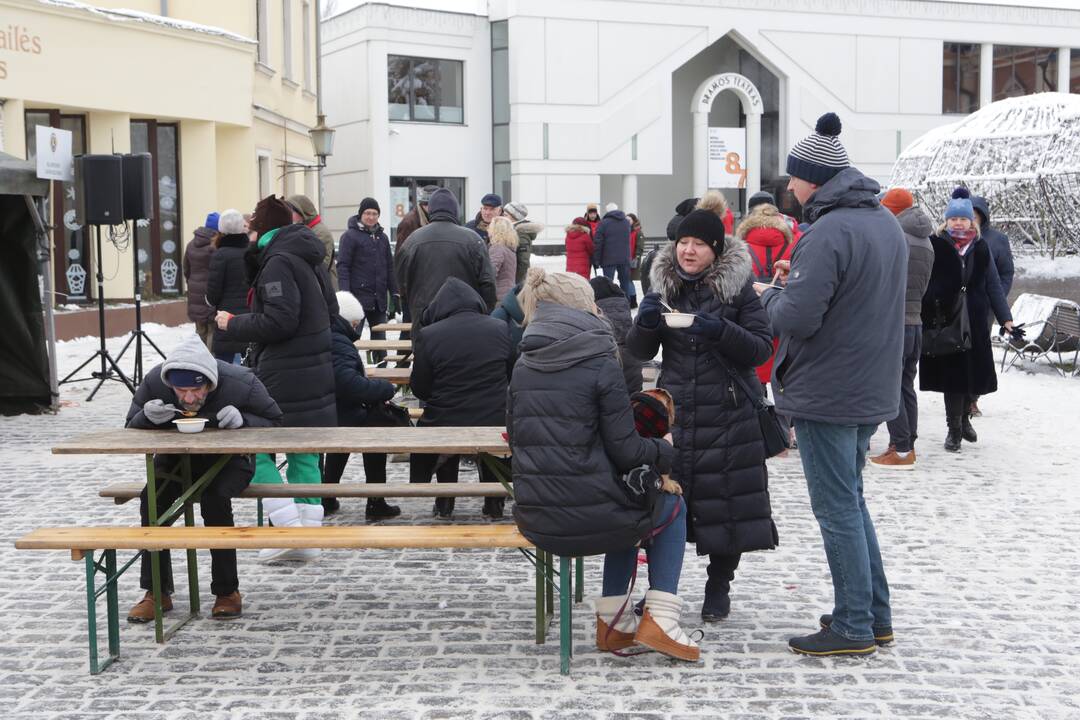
(392, 327)
(383, 344)
(396, 375)
(481, 441)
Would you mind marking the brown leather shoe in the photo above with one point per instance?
(895, 461)
(143, 611)
(888, 452)
(226, 607)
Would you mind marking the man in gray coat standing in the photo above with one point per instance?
(917, 227)
(840, 320)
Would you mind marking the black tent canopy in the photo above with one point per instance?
(26, 380)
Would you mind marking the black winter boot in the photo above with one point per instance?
(952, 440)
(717, 605)
(633, 301)
(379, 509)
(330, 505)
(493, 508)
(444, 508)
(967, 431)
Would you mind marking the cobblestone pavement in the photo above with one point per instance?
(981, 548)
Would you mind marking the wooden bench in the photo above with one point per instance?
(396, 375)
(83, 542)
(383, 344)
(392, 327)
(125, 492)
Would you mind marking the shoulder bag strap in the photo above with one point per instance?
(757, 399)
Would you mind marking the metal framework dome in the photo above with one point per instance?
(1022, 154)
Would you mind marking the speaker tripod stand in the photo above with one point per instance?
(110, 370)
(138, 335)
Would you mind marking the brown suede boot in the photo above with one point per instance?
(226, 607)
(143, 611)
(659, 628)
(620, 635)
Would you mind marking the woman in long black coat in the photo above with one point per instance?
(227, 287)
(958, 251)
(719, 452)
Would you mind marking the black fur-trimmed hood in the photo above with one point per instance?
(727, 276)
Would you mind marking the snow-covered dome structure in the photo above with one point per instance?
(1022, 154)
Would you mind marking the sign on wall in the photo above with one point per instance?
(727, 157)
(399, 205)
(54, 161)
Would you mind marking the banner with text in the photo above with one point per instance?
(727, 157)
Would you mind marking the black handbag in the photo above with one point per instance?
(387, 414)
(774, 432)
(949, 331)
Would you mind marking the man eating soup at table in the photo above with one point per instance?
(191, 383)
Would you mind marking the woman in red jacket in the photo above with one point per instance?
(769, 238)
(579, 247)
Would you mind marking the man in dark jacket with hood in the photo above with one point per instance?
(305, 213)
(442, 249)
(461, 370)
(229, 397)
(366, 267)
(840, 320)
(1000, 247)
(611, 249)
(903, 429)
(289, 324)
(196, 266)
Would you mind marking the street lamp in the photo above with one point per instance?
(322, 140)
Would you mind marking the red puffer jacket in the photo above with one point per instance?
(770, 238)
(579, 248)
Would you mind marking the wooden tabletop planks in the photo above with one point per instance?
(392, 327)
(383, 344)
(432, 440)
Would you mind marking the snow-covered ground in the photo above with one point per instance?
(981, 548)
(1063, 267)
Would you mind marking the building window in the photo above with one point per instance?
(262, 31)
(72, 268)
(286, 38)
(500, 109)
(307, 46)
(1074, 71)
(960, 78)
(157, 241)
(265, 186)
(1023, 70)
(425, 89)
(403, 196)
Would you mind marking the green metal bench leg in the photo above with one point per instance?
(541, 616)
(192, 558)
(566, 634)
(259, 512)
(91, 611)
(579, 580)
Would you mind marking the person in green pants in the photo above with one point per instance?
(289, 329)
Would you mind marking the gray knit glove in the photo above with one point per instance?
(158, 411)
(229, 418)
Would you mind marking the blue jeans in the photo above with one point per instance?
(625, 282)
(833, 457)
(665, 553)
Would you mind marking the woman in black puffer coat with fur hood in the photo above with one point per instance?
(720, 455)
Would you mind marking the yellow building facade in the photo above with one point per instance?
(221, 94)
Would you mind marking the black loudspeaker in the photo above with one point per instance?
(138, 187)
(99, 190)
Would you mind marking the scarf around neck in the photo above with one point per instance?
(962, 238)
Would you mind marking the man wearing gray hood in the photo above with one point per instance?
(917, 228)
(191, 383)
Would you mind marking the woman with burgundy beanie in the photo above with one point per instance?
(719, 452)
(289, 325)
(962, 259)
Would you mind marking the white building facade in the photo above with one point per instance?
(560, 103)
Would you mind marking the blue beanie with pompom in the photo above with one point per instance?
(960, 205)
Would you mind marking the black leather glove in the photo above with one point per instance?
(711, 328)
(648, 312)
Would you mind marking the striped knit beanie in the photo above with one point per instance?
(817, 158)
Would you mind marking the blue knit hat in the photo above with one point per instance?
(960, 205)
(820, 156)
(212, 221)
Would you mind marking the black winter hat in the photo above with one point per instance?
(369, 204)
(762, 197)
(703, 225)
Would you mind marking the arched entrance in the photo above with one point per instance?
(752, 107)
